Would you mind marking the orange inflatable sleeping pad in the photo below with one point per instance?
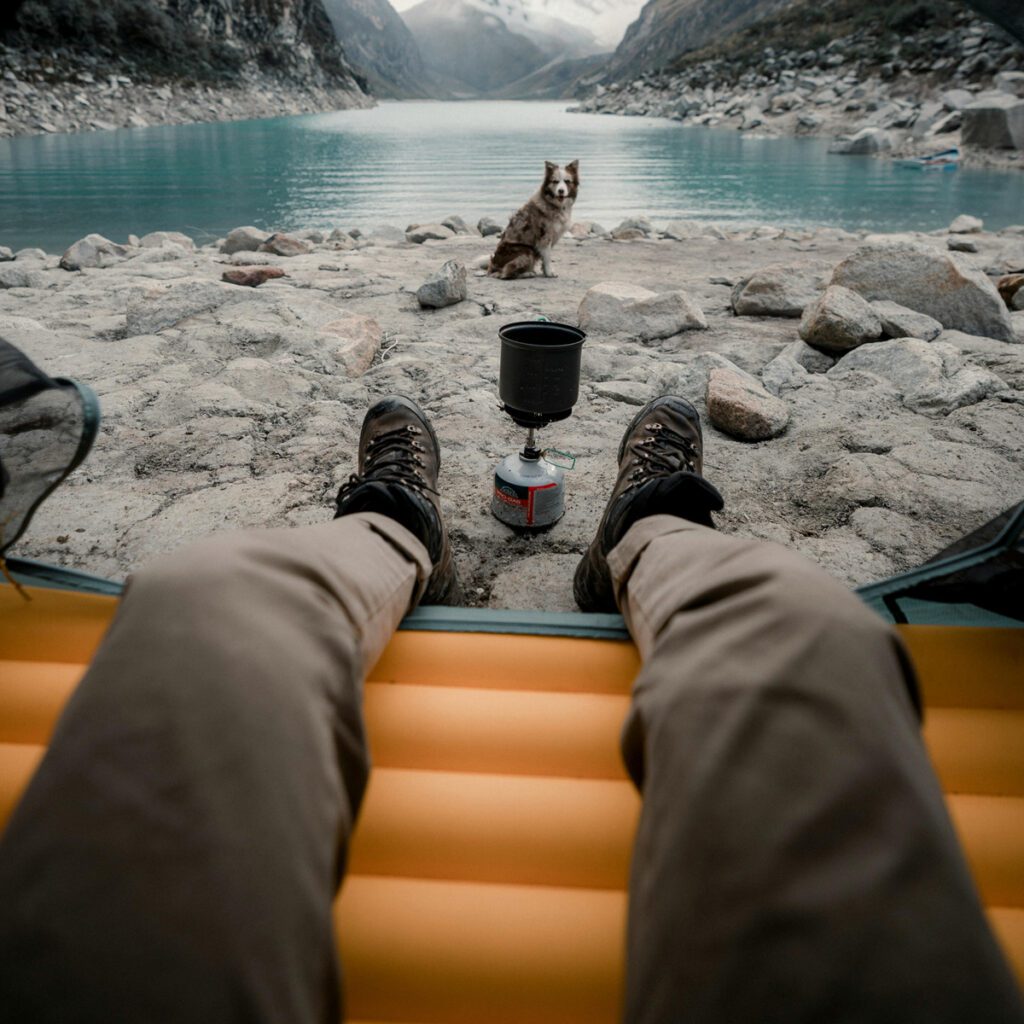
(488, 871)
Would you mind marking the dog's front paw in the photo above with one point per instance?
(550, 273)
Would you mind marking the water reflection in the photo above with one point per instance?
(419, 161)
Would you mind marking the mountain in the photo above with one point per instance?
(379, 44)
(561, 78)
(486, 45)
(222, 41)
(666, 29)
(606, 20)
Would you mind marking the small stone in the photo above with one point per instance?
(246, 239)
(252, 277)
(5, 254)
(385, 234)
(839, 320)
(628, 234)
(285, 245)
(488, 226)
(629, 392)
(900, 322)
(420, 233)
(739, 406)
(866, 142)
(966, 225)
(353, 340)
(641, 224)
(957, 244)
(445, 288)
(30, 254)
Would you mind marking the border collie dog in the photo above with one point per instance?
(536, 226)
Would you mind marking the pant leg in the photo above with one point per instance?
(794, 860)
(176, 856)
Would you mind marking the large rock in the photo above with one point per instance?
(994, 123)
(156, 239)
(488, 226)
(420, 233)
(21, 277)
(866, 142)
(353, 341)
(93, 251)
(245, 239)
(159, 309)
(615, 308)
(778, 291)
(1011, 82)
(5, 254)
(795, 366)
(965, 224)
(445, 288)
(928, 281)
(900, 322)
(840, 320)
(739, 406)
(285, 245)
(930, 378)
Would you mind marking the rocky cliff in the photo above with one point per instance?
(667, 28)
(381, 47)
(71, 65)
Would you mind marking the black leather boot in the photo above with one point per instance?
(399, 460)
(661, 459)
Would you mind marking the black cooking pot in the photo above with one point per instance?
(539, 379)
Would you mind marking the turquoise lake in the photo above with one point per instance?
(418, 161)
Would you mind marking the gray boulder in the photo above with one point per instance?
(641, 224)
(615, 308)
(420, 233)
(994, 123)
(956, 99)
(385, 234)
(866, 142)
(156, 239)
(20, 277)
(488, 226)
(794, 367)
(900, 322)
(93, 251)
(778, 291)
(31, 253)
(245, 239)
(1011, 82)
(957, 243)
(5, 254)
(280, 244)
(840, 320)
(965, 224)
(445, 288)
(928, 281)
(457, 224)
(930, 378)
(740, 406)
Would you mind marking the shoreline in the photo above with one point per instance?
(228, 406)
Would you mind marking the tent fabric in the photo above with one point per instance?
(47, 426)
(977, 581)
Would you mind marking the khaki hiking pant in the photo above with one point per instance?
(176, 856)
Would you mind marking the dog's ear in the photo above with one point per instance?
(574, 169)
(549, 168)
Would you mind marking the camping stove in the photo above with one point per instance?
(538, 383)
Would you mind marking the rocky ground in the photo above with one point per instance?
(227, 406)
(933, 89)
(49, 92)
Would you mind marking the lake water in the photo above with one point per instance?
(419, 161)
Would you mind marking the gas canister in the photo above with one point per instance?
(529, 491)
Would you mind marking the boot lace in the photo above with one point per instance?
(392, 457)
(665, 451)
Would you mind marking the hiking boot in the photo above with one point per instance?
(399, 459)
(661, 459)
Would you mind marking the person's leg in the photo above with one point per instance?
(176, 856)
(794, 859)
